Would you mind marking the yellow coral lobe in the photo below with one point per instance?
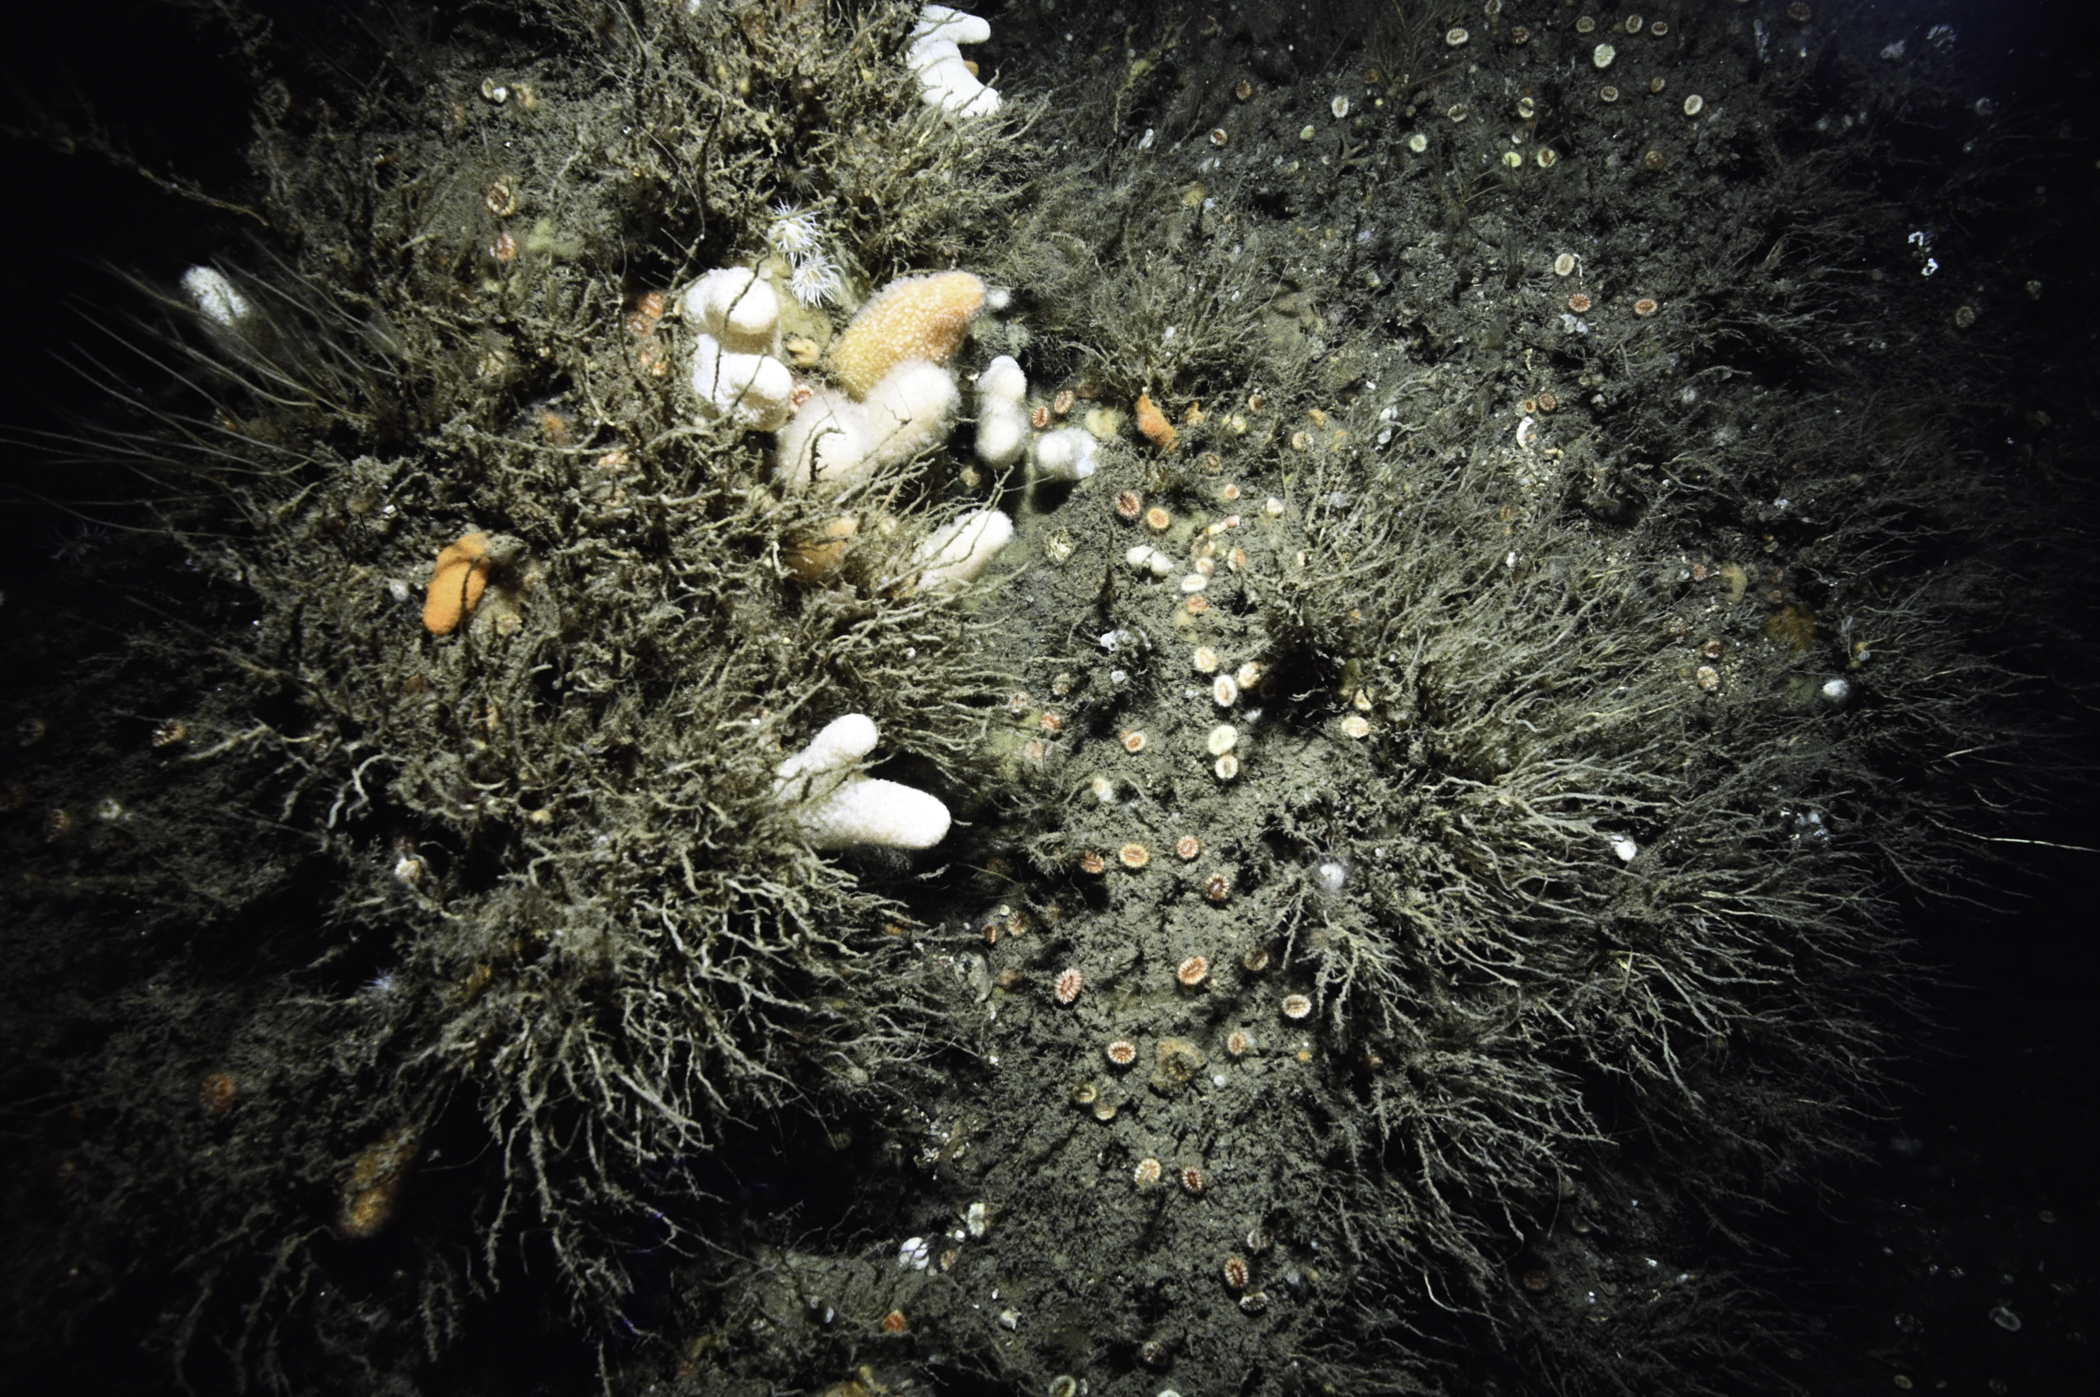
(914, 317)
(1152, 424)
(456, 586)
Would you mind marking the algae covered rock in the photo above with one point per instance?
(1405, 799)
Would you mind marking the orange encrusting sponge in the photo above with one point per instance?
(456, 587)
(1152, 424)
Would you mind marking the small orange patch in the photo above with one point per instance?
(456, 587)
(1152, 424)
(375, 1183)
(217, 1093)
(818, 556)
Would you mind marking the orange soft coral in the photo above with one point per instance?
(456, 586)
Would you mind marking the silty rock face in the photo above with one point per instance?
(1306, 712)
